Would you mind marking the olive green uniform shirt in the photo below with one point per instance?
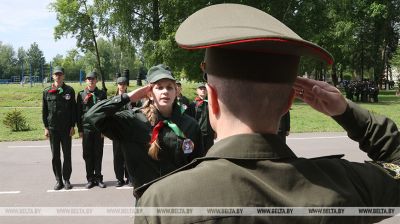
(132, 129)
(259, 170)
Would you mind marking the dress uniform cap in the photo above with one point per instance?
(122, 79)
(158, 72)
(92, 75)
(243, 27)
(58, 69)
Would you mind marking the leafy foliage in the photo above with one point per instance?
(35, 58)
(7, 60)
(362, 35)
(16, 121)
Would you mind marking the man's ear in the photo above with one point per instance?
(213, 105)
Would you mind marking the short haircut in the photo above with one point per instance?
(250, 100)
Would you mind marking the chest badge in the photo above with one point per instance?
(393, 169)
(187, 146)
(67, 96)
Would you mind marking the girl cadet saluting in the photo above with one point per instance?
(158, 138)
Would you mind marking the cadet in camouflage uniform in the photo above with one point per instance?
(198, 109)
(92, 139)
(59, 117)
(250, 166)
(157, 138)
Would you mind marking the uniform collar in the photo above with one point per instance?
(175, 115)
(251, 146)
(89, 91)
(241, 147)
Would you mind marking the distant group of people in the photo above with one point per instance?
(361, 91)
(250, 69)
(61, 112)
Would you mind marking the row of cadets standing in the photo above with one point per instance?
(60, 112)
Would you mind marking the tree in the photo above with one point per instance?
(35, 58)
(21, 60)
(362, 35)
(78, 19)
(7, 61)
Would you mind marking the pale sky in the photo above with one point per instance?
(23, 22)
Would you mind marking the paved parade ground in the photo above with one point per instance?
(27, 180)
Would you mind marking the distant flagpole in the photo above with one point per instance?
(30, 74)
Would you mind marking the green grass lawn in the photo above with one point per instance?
(303, 118)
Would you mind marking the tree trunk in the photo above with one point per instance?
(156, 20)
(96, 49)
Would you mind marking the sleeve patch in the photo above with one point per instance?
(391, 168)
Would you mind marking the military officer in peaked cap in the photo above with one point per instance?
(59, 118)
(251, 61)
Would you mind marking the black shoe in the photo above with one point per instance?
(120, 183)
(67, 185)
(90, 184)
(129, 183)
(101, 184)
(59, 185)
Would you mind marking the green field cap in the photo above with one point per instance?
(159, 72)
(236, 26)
(122, 79)
(58, 69)
(92, 75)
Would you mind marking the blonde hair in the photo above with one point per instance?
(150, 111)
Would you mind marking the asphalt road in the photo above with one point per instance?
(26, 179)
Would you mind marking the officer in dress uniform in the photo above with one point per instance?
(92, 140)
(157, 138)
(198, 109)
(59, 118)
(250, 166)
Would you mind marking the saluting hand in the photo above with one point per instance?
(321, 96)
(140, 93)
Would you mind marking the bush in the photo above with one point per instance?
(16, 121)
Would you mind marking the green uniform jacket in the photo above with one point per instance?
(59, 108)
(133, 130)
(84, 105)
(255, 170)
